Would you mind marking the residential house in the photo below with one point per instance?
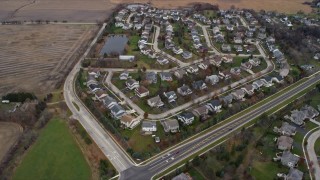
(248, 89)
(226, 47)
(213, 79)
(257, 84)
(186, 55)
(141, 91)
(310, 112)
(151, 77)
(162, 60)
(267, 81)
(149, 126)
(284, 143)
(204, 65)
(297, 117)
(199, 85)
(255, 61)
(155, 102)
(238, 94)
(109, 102)
(166, 76)
(129, 121)
(238, 48)
(227, 100)
(182, 176)
(94, 87)
(235, 71)
(278, 55)
(132, 84)
(117, 111)
(227, 58)
(224, 75)
(193, 69)
(124, 75)
(170, 125)
(200, 111)
(216, 60)
(180, 73)
(184, 90)
(214, 105)
(246, 65)
(186, 118)
(100, 94)
(294, 174)
(94, 72)
(288, 159)
(237, 40)
(286, 129)
(177, 50)
(171, 96)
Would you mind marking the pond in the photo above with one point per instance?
(114, 44)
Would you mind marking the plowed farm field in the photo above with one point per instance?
(9, 132)
(36, 58)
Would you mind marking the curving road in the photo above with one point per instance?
(312, 155)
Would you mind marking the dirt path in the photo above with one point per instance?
(9, 133)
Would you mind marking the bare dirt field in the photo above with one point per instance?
(9, 132)
(288, 6)
(70, 10)
(35, 58)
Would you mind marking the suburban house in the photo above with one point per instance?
(155, 102)
(227, 100)
(180, 73)
(214, 105)
(284, 143)
(129, 121)
(171, 96)
(100, 94)
(216, 60)
(117, 111)
(227, 58)
(141, 91)
(226, 47)
(132, 84)
(109, 102)
(277, 79)
(267, 81)
(94, 87)
(124, 75)
(199, 85)
(288, 159)
(186, 55)
(213, 79)
(170, 125)
(237, 40)
(224, 75)
(184, 90)
(162, 60)
(204, 65)
(165, 76)
(246, 65)
(248, 89)
(294, 174)
(186, 118)
(193, 69)
(151, 77)
(254, 61)
(257, 84)
(177, 50)
(149, 126)
(200, 111)
(235, 71)
(238, 94)
(182, 176)
(94, 72)
(91, 80)
(297, 117)
(286, 129)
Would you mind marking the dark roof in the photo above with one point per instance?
(214, 102)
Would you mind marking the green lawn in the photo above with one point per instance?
(195, 174)
(55, 155)
(266, 170)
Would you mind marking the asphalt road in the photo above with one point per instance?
(174, 156)
(312, 155)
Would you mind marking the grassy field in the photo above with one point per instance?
(55, 155)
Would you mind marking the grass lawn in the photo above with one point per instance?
(195, 174)
(266, 170)
(55, 155)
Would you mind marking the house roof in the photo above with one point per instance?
(127, 118)
(166, 74)
(142, 89)
(131, 81)
(201, 110)
(116, 108)
(148, 124)
(287, 157)
(295, 174)
(186, 115)
(285, 141)
(286, 127)
(214, 103)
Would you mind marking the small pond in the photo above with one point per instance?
(114, 44)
